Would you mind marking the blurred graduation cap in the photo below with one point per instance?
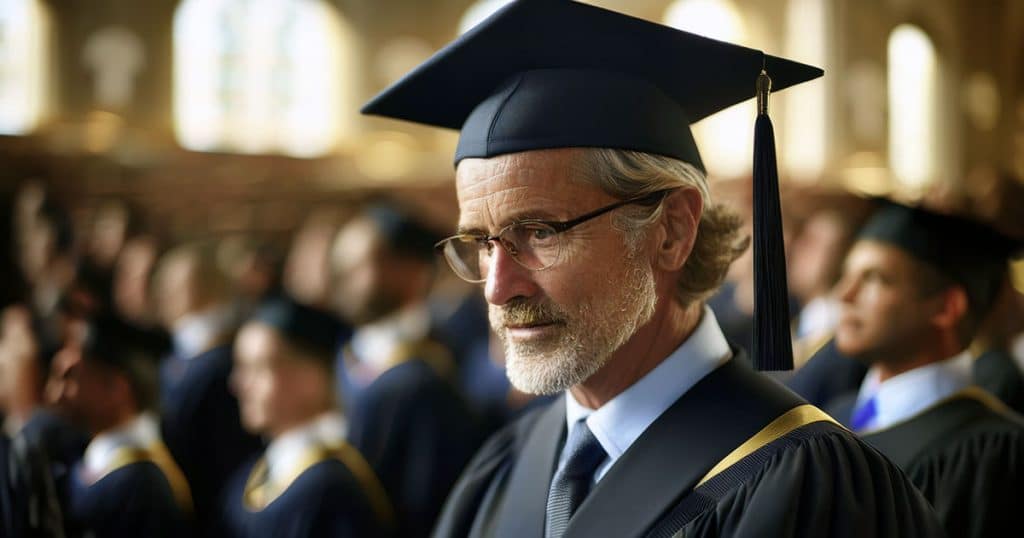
(110, 341)
(304, 326)
(970, 252)
(403, 233)
(543, 74)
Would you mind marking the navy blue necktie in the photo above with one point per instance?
(572, 482)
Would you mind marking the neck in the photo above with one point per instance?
(116, 421)
(670, 326)
(942, 347)
(279, 430)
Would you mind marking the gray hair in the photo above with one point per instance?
(626, 174)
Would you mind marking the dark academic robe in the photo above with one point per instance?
(134, 499)
(333, 497)
(997, 373)
(827, 375)
(816, 480)
(201, 427)
(966, 455)
(417, 434)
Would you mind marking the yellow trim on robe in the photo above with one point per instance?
(797, 417)
(158, 455)
(260, 492)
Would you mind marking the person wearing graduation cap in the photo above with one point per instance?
(126, 483)
(915, 288)
(585, 214)
(199, 414)
(309, 481)
(397, 376)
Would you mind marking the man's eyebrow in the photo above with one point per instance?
(533, 214)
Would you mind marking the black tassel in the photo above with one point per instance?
(773, 349)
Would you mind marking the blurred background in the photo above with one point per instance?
(236, 122)
(175, 162)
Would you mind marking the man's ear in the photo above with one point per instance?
(951, 309)
(681, 211)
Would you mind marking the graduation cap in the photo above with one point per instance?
(302, 325)
(402, 232)
(112, 342)
(542, 74)
(969, 252)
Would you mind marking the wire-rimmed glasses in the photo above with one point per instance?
(534, 244)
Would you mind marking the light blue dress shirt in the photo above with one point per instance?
(903, 396)
(620, 422)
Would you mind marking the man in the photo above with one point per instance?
(398, 380)
(199, 413)
(914, 290)
(309, 482)
(126, 483)
(584, 213)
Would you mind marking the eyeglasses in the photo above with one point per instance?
(534, 244)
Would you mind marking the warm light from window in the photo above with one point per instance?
(24, 34)
(912, 106)
(725, 139)
(262, 76)
(805, 128)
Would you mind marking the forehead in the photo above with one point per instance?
(257, 342)
(544, 181)
(876, 254)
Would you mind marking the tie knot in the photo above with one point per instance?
(584, 452)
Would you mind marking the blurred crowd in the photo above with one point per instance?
(233, 387)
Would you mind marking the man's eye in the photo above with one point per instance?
(540, 233)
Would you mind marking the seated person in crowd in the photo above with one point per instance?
(126, 483)
(309, 481)
(915, 287)
(399, 382)
(199, 413)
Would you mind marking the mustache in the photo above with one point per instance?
(524, 312)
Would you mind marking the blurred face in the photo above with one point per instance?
(131, 280)
(306, 273)
(884, 315)
(108, 234)
(814, 255)
(276, 392)
(89, 394)
(366, 283)
(175, 290)
(562, 324)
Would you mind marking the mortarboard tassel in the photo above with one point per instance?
(773, 349)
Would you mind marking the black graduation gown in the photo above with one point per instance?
(996, 372)
(966, 455)
(201, 427)
(327, 499)
(827, 375)
(130, 501)
(817, 480)
(417, 433)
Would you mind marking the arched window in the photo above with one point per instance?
(912, 107)
(262, 76)
(725, 139)
(804, 125)
(24, 61)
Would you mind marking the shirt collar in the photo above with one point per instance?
(620, 422)
(905, 395)
(197, 332)
(140, 432)
(288, 451)
(376, 342)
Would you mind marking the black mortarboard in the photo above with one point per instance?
(969, 252)
(553, 73)
(403, 233)
(110, 341)
(307, 327)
